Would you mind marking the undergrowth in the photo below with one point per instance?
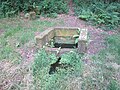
(103, 14)
(104, 75)
(70, 66)
(49, 8)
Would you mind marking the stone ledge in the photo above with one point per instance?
(62, 51)
(82, 41)
(50, 33)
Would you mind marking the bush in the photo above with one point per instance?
(11, 8)
(100, 13)
(53, 6)
(71, 66)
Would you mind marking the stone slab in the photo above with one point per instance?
(82, 41)
(50, 33)
(44, 37)
(68, 40)
(66, 31)
(62, 51)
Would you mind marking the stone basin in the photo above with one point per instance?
(63, 37)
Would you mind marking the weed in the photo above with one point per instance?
(52, 15)
(77, 36)
(113, 85)
(104, 15)
(113, 47)
(51, 8)
(74, 61)
(70, 66)
(11, 31)
(8, 53)
(42, 24)
(5, 52)
(25, 37)
(102, 72)
(3, 42)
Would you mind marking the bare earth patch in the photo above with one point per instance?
(1, 31)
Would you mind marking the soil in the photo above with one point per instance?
(1, 31)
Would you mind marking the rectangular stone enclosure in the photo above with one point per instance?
(64, 39)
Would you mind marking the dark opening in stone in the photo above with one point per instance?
(53, 66)
(64, 45)
(63, 42)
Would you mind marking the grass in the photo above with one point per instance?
(60, 80)
(25, 36)
(103, 74)
(17, 32)
(112, 53)
(105, 71)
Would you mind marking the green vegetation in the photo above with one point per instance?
(70, 66)
(112, 53)
(16, 33)
(103, 74)
(26, 36)
(105, 70)
(50, 8)
(76, 36)
(71, 71)
(113, 43)
(53, 7)
(103, 14)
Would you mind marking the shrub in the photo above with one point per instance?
(53, 6)
(100, 13)
(10, 8)
(70, 66)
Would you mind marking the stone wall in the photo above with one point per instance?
(48, 34)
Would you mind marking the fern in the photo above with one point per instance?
(100, 13)
(50, 7)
